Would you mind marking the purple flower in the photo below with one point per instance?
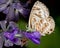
(9, 30)
(34, 36)
(11, 38)
(11, 35)
(8, 26)
(12, 8)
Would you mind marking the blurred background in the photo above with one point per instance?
(49, 41)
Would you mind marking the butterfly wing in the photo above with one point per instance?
(40, 20)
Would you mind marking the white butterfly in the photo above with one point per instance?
(40, 20)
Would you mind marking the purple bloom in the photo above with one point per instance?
(8, 26)
(8, 34)
(34, 36)
(21, 9)
(12, 8)
(11, 31)
(3, 25)
(11, 35)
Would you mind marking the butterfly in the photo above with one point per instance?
(40, 19)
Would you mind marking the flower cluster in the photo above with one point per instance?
(10, 33)
(12, 8)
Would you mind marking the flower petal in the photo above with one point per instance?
(3, 25)
(34, 36)
(4, 6)
(11, 35)
(22, 10)
(8, 43)
(10, 15)
(1, 42)
(16, 15)
(17, 6)
(6, 10)
(36, 41)
(1, 39)
(18, 42)
(12, 26)
(3, 1)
